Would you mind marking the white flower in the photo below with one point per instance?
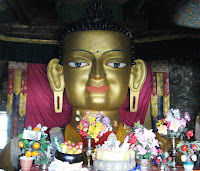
(174, 126)
(194, 157)
(77, 119)
(176, 113)
(183, 158)
(78, 112)
(162, 129)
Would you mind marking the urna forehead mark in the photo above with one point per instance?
(114, 50)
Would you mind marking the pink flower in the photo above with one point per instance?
(81, 132)
(190, 134)
(157, 161)
(168, 124)
(141, 150)
(115, 123)
(170, 158)
(131, 134)
(84, 123)
(93, 123)
(160, 151)
(85, 129)
(103, 128)
(132, 140)
(164, 161)
(183, 122)
(154, 151)
(187, 116)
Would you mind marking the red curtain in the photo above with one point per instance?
(129, 118)
(40, 105)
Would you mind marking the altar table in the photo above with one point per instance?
(179, 168)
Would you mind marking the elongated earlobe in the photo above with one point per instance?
(57, 84)
(136, 81)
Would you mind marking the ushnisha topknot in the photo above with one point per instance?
(97, 17)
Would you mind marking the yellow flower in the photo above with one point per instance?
(81, 126)
(99, 124)
(92, 119)
(160, 122)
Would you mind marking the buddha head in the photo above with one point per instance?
(97, 66)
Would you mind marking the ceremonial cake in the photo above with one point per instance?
(113, 156)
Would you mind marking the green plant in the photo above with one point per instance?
(44, 158)
(188, 149)
(33, 141)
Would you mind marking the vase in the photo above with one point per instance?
(173, 153)
(162, 167)
(44, 166)
(145, 164)
(26, 163)
(88, 152)
(188, 165)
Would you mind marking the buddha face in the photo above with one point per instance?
(96, 68)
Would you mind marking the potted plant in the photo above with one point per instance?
(174, 126)
(33, 143)
(144, 143)
(44, 159)
(163, 160)
(188, 149)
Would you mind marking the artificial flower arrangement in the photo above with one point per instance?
(34, 144)
(188, 149)
(163, 159)
(94, 125)
(174, 125)
(143, 141)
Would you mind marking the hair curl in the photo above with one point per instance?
(97, 17)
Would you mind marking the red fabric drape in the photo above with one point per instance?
(40, 105)
(129, 118)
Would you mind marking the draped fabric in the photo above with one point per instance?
(129, 118)
(40, 105)
(16, 99)
(160, 95)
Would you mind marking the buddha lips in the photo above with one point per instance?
(100, 89)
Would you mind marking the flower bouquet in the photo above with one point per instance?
(163, 159)
(94, 125)
(174, 125)
(143, 141)
(34, 144)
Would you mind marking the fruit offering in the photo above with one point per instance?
(69, 147)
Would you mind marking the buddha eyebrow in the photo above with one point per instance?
(116, 50)
(78, 50)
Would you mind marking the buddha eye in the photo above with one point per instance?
(77, 64)
(116, 65)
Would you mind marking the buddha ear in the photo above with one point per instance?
(136, 81)
(57, 84)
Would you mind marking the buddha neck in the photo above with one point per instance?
(113, 115)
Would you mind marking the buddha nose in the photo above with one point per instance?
(97, 71)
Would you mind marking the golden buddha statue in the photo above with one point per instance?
(96, 69)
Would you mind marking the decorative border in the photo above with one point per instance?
(137, 40)
(25, 40)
